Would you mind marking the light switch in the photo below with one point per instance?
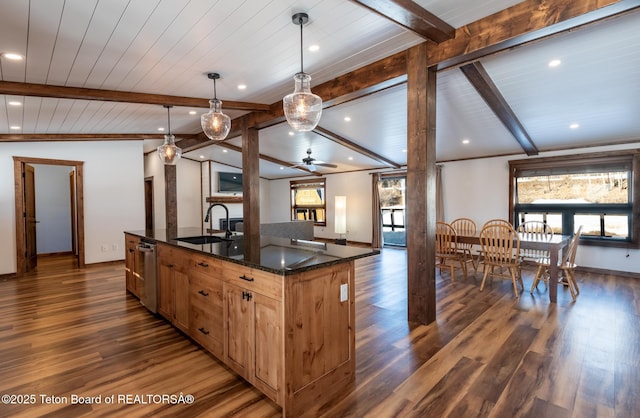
(344, 292)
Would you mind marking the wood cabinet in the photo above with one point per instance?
(206, 324)
(291, 336)
(132, 272)
(253, 338)
(173, 285)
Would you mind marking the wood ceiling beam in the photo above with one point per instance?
(484, 85)
(81, 93)
(411, 16)
(354, 147)
(524, 22)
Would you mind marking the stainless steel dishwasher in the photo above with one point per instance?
(147, 262)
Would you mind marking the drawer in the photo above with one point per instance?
(206, 265)
(267, 284)
(206, 294)
(207, 330)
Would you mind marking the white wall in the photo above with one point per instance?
(355, 186)
(188, 183)
(53, 208)
(479, 189)
(113, 194)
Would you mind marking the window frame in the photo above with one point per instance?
(587, 162)
(299, 184)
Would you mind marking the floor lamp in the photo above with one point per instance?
(341, 219)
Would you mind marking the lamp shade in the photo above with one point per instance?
(215, 124)
(340, 214)
(302, 108)
(169, 153)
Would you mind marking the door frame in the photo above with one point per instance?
(18, 164)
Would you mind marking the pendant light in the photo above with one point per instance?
(302, 108)
(215, 124)
(168, 152)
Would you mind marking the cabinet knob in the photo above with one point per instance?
(203, 293)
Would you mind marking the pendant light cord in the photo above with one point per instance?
(215, 95)
(168, 119)
(301, 49)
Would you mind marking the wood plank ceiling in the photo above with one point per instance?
(97, 69)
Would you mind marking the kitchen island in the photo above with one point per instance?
(280, 312)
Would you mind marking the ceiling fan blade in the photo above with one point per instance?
(311, 167)
(325, 164)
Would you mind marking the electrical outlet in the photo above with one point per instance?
(114, 247)
(344, 292)
(105, 248)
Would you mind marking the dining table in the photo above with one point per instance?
(554, 245)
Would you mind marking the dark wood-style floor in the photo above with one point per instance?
(66, 332)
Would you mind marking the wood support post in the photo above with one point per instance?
(251, 193)
(421, 186)
(171, 200)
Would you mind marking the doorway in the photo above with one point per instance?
(149, 223)
(393, 208)
(26, 253)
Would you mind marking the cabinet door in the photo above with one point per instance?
(130, 264)
(181, 298)
(165, 286)
(238, 330)
(268, 349)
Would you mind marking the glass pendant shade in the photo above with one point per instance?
(302, 108)
(215, 124)
(168, 152)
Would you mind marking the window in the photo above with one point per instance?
(308, 201)
(597, 191)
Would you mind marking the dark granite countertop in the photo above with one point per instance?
(276, 255)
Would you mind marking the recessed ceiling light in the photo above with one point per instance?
(15, 128)
(404, 150)
(161, 129)
(314, 48)
(465, 141)
(554, 63)
(347, 119)
(14, 103)
(192, 112)
(574, 126)
(202, 157)
(281, 168)
(350, 158)
(290, 133)
(12, 56)
(242, 86)
(224, 150)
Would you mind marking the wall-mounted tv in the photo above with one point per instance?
(229, 182)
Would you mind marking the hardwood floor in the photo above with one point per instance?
(66, 332)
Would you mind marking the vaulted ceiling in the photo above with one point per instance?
(97, 69)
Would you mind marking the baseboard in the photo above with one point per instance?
(595, 270)
(8, 276)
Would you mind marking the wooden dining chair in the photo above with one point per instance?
(501, 248)
(567, 265)
(496, 221)
(466, 226)
(447, 253)
(534, 230)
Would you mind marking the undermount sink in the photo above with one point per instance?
(203, 239)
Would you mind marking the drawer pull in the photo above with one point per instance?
(249, 279)
(203, 330)
(203, 293)
(203, 264)
(170, 266)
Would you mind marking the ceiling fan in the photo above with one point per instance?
(310, 163)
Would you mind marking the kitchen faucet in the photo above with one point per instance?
(227, 232)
